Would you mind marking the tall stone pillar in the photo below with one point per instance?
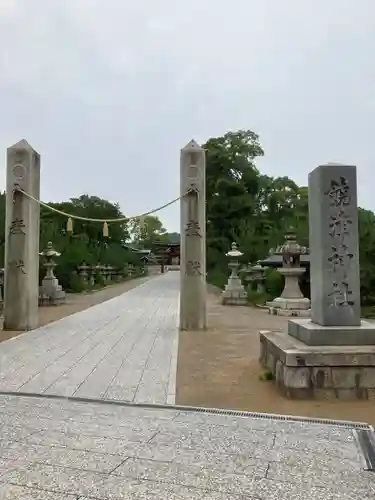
(334, 261)
(193, 238)
(333, 354)
(334, 254)
(21, 284)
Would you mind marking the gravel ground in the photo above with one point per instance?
(219, 368)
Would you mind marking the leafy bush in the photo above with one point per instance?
(99, 280)
(255, 297)
(217, 277)
(75, 284)
(274, 283)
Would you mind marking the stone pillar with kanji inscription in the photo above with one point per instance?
(193, 238)
(21, 280)
(331, 356)
(334, 261)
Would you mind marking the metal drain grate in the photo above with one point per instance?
(284, 418)
(366, 443)
(211, 411)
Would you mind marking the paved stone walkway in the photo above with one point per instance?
(123, 349)
(65, 450)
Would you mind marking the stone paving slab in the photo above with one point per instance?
(122, 349)
(85, 450)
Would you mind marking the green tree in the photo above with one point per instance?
(87, 242)
(90, 207)
(151, 230)
(255, 210)
(232, 184)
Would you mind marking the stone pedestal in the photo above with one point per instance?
(333, 354)
(51, 292)
(234, 293)
(291, 302)
(290, 311)
(193, 238)
(318, 372)
(320, 335)
(21, 280)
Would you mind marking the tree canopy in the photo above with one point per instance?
(86, 243)
(255, 210)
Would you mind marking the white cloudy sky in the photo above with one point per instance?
(108, 91)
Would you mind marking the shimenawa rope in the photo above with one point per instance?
(104, 221)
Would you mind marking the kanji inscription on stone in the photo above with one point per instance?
(17, 227)
(193, 228)
(339, 192)
(339, 225)
(17, 265)
(193, 268)
(341, 295)
(333, 241)
(340, 257)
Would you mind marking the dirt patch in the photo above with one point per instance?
(219, 368)
(78, 302)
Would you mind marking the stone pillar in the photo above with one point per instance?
(333, 354)
(21, 280)
(193, 238)
(334, 261)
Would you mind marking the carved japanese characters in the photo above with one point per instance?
(340, 258)
(334, 263)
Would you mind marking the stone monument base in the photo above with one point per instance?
(290, 307)
(316, 335)
(286, 303)
(318, 372)
(302, 313)
(234, 293)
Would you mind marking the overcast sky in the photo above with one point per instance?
(108, 91)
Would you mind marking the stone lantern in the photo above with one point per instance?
(50, 290)
(84, 272)
(234, 293)
(246, 273)
(92, 275)
(131, 270)
(291, 302)
(110, 272)
(258, 276)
